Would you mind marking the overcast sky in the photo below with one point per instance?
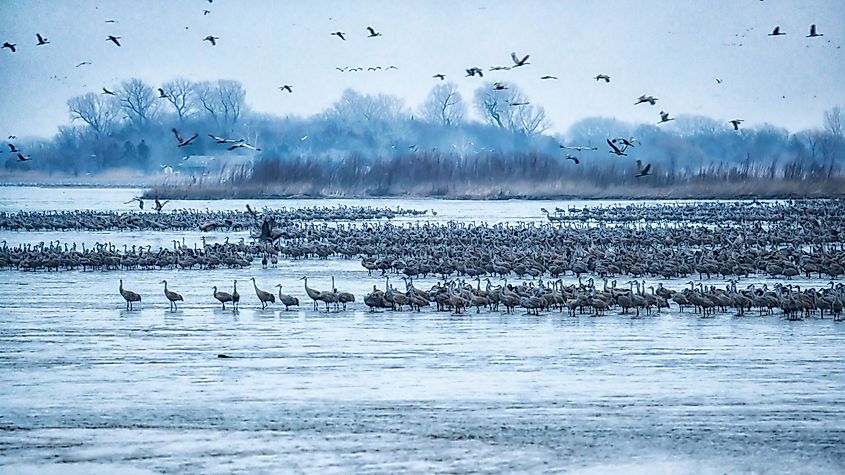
(674, 50)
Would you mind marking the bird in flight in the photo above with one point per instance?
(22, 158)
(205, 12)
(41, 40)
(548, 77)
(111, 21)
(718, 81)
(602, 77)
(474, 71)
(813, 33)
(643, 99)
(13, 149)
(223, 140)
(139, 200)
(664, 117)
(624, 141)
(341, 69)
(244, 145)
(573, 158)
(113, 39)
(108, 92)
(11, 46)
(162, 94)
(643, 170)
(159, 205)
(500, 68)
(84, 63)
(391, 67)
(211, 39)
(519, 62)
(373, 33)
(736, 123)
(183, 142)
(499, 86)
(440, 76)
(580, 149)
(515, 104)
(340, 35)
(286, 87)
(616, 150)
(776, 32)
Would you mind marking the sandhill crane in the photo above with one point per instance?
(263, 295)
(664, 117)
(222, 297)
(10, 46)
(236, 297)
(373, 33)
(314, 294)
(548, 77)
(579, 148)
(777, 32)
(211, 39)
(129, 296)
(573, 158)
(286, 87)
(342, 297)
(172, 296)
(287, 300)
(643, 99)
(602, 77)
(616, 150)
(23, 158)
(736, 123)
(183, 141)
(222, 140)
(162, 94)
(517, 62)
(813, 33)
(641, 170)
(475, 71)
(499, 86)
(45, 41)
(113, 39)
(108, 92)
(13, 149)
(439, 76)
(340, 35)
(243, 145)
(159, 205)
(138, 199)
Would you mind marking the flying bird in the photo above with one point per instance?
(373, 33)
(499, 86)
(139, 200)
(500, 68)
(211, 39)
(286, 87)
(602, 77)
(183, 142)
(616, 150)
(84, 63)
(574, 159)
(391, 67)
(580, 149)
(525, 103)
(113, 39)
(13, 149)
(474, 71)
(340, 35)
(736, 123)
(341, 69)
(718, 81)
(41, 40)
(664, 117)
(441, 76)
(11, 46)
(110, 93)
(222, 140)
(624, 141)
(22, 158)
(244, 145)
(111, 21)
(813, 33)
(776, 32)
(162, 94)
(159, 205)
(519, 62)
(643, 99)
(548, 77)
(643, 170)
(205, 12)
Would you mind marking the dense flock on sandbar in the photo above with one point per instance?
(589, 260)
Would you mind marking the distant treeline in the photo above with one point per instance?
(375, 145)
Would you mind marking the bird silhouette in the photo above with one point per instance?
(373, 33)
(108, 92)
(624, 141)
(113, 39)
(736, 123)
(182, 141)
(286, 87)
(211, 39)
(519, 62)
(244, 145)
(580, 149)
(340, 69)
(11, 46)
(159, 205)
(616, 150)
(548, 77)
(205, 12)
(22, 158)
(111, 21)
(139, 200)
(13, 149)
(574, 159)
(813, 33)
(475, 71)
(41, 40)
(391, 67)
(499, 86)
(516, 104)
(643, 170)
(776, 32)
(602, 77)
(84, 63)
(162, 94)
(664, 117)
(440, 76)
(222, 140)
(340, 35)
(643, 99)
(500, 68)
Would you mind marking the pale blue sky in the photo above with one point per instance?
(671, 49)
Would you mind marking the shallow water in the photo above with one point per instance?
(89, 387)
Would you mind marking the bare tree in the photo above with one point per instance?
(833, 121)
(138, 101)
(98, 111)
(223, 101)
(509, 108)
(444, 105)
(356, 108)
(181, 95)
